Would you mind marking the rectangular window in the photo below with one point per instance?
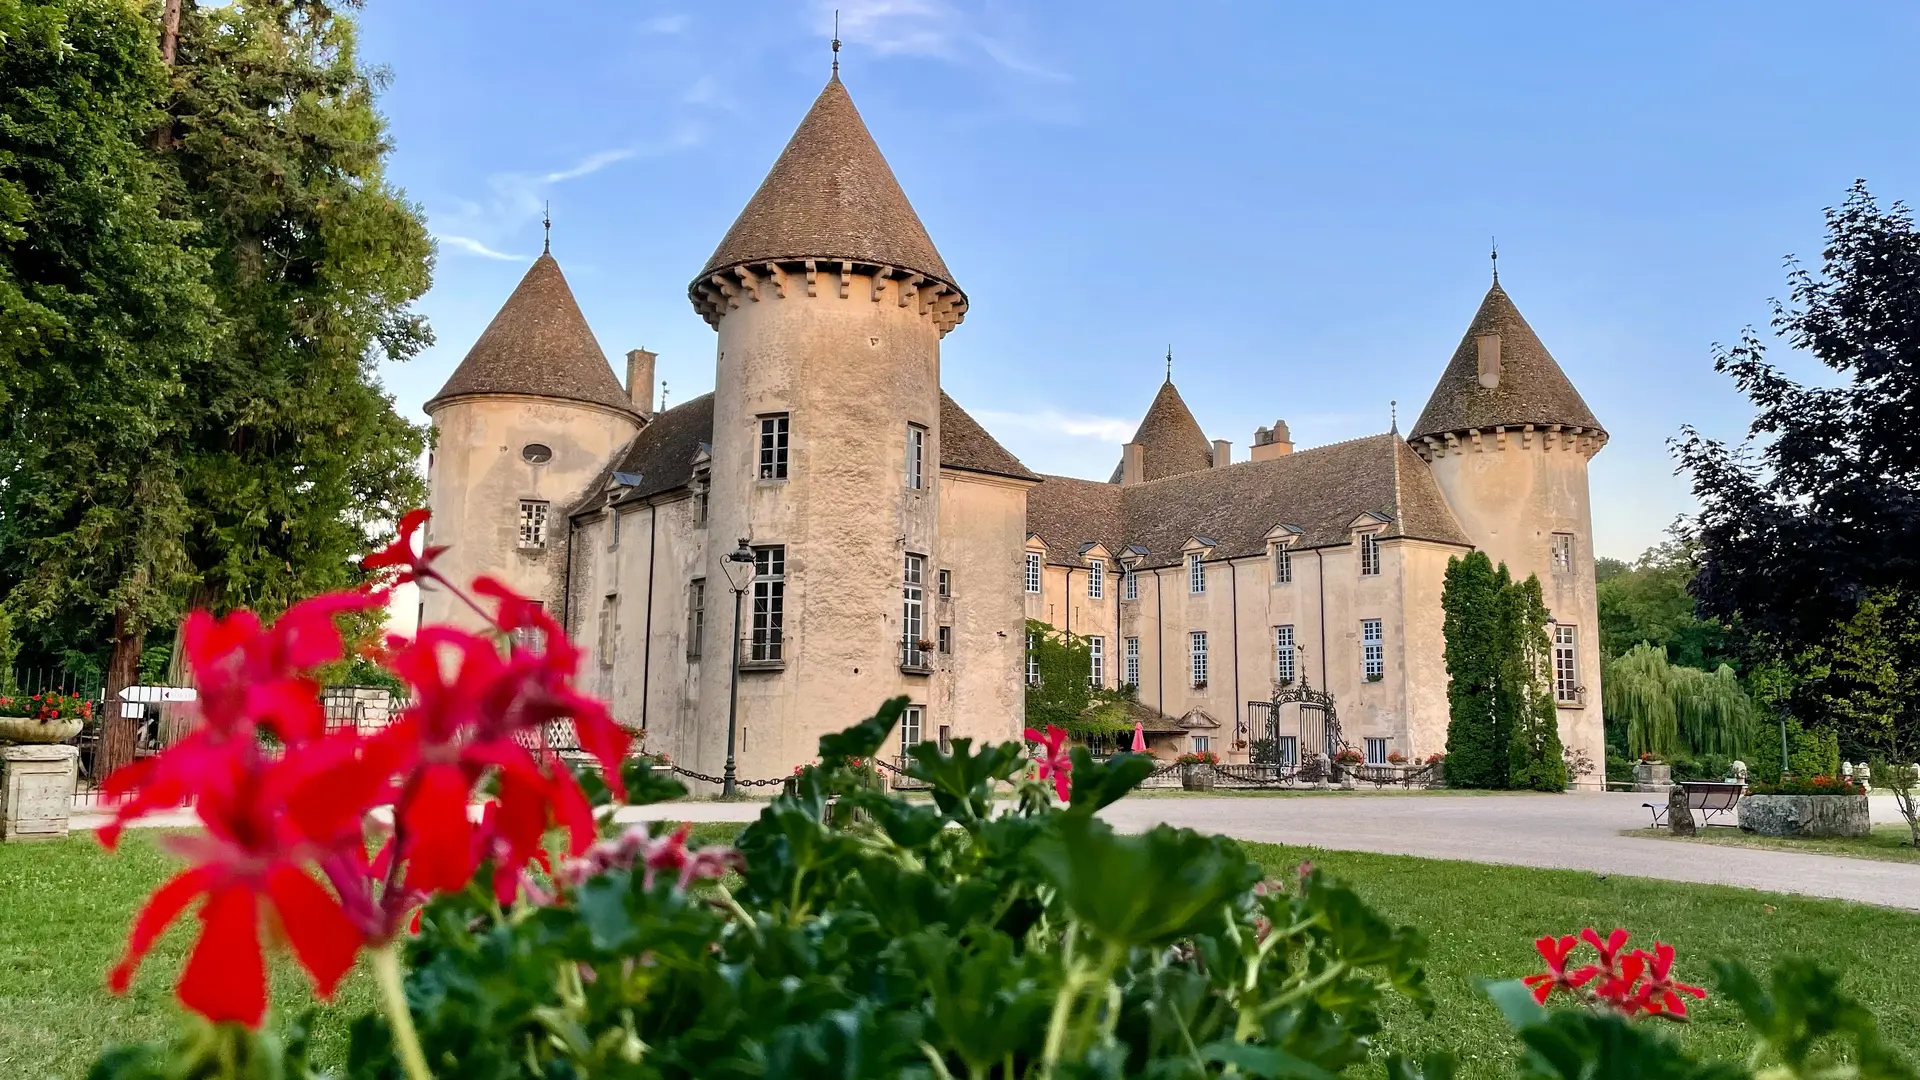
(910, 727)
(1197, 646)
(1130, 585)
(1196, 574)
(1369, 555)
(1033, 663)
(1373, 650)
(1286, 750)
(1202, 744)
(1283, 654)
(945, 578)
(700, 493)
(946, 738)
(696, 616)
(1096, 579)
(613, 530)
(1282, 566)
(531, 637)
(769, 603)
(1033, 571)
(1376, 751)
(773, 447)
(945, 639)
(609, 625)
(1566, 664)
(916, 457)
(1130, 661)
(1563, 553)
(913, 627)
(533, 523)
(1097, 657)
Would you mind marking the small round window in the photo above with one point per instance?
(537, 453)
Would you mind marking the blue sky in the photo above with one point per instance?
(1298, 198)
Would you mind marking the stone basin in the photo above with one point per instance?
(1805, 815)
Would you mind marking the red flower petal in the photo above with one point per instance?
(160, 910)
(226, 978)
(320, 933)
(439, 836)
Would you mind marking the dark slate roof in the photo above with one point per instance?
(1319, 490)
(830, 195)
(1532, 390)
(1170, 439)
(538, 344)
(964, 444)
(663, 453)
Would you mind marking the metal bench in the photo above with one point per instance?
(1708, 799)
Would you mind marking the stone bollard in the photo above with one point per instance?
(1679, 814)
(36, 790)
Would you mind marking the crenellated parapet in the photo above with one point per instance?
(727, 288)
(1547, 438)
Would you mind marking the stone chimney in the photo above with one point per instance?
(1133, 464)
(1271, 442)
(640, 381)
(1222, 453)
(1488, 347)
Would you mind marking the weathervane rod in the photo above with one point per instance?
(1495, 242)
(836, 42)
(546, 222)
(1169, 363)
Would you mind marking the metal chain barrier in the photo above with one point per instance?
(690, 774)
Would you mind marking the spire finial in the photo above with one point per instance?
(546, 222)
(1393, 410)
(836, 43)
(1169, 363)
(1495, 242)
(663, 395)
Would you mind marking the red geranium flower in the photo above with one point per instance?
(1053, 762)
(1555, 952)
(1661, 994)
(413, 565)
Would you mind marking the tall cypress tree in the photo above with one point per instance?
(1470, 599)
(1534, 757)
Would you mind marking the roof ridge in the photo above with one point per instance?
(1294, 456)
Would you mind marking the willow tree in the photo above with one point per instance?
(1670, 710)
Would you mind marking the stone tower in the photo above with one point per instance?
(528, 420)
(1508, 439)
(830, 302)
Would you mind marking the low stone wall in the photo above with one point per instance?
(1805, 815)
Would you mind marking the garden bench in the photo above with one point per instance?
(1708, 799)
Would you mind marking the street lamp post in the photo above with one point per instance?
(739, 568)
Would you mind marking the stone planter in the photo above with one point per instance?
(25, 729)
(36, 791)
(1657, 776)
(1805, 815)
(1196, 777)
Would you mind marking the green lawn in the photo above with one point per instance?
(65, 908)
(1887, 843)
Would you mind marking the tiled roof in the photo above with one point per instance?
(1319, 490)
(538, 344)
(830, 195)
(1170, 439)
(1532, 389)
(964, 444)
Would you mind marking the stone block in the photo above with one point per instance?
(1805, 815)
(1657, 777)
(36, 790)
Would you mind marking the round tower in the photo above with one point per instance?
(830, 302)
(1508, 439)
(526, 422)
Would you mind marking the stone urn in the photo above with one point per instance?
(1652, 776)
(25, 729)
(1805, 815)
(1196, 776)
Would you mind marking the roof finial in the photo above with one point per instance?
(1169, 363)
(1495, 241)
(1393, 410)
(546, 222)
(663, 395)
(836, 43)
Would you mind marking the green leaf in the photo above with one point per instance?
(962, 781)
(1515, 1002)
(1178, 882)
(864, 739)
(1098, 784)
(1266, 1061)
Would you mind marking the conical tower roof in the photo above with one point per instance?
(1528, 387)
(1170, 439)
(538, 344)
(830, 195)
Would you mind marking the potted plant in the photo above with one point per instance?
(1438, 764)
(50, 717)
(1652, 774)
(924, 644)
(1200, 684)
(1396, 758)
(1796, 806)
(1196, 769)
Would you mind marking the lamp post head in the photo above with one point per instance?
(739, 567)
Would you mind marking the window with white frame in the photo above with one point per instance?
(696, 616)
(1566, 664)
(1097, 661)
(1033, 663)
(1373, 650)
(912, 722)
(773, 447)
(1283, 654)
(913, 624)
(1096, 579)
(1130, 585)
(1196, 573)
(916, 457)
(1286, 750)
(1563, 553)
(1282, 566)
(533, 523)
(1202, 744)
(1369, 555)
(1197, 648)
(945, 579)
(1130, 661)
(769, 604)
(1376, 751)
(1033, 571)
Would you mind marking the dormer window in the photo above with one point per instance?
(1282, 565)
(1033, 571)
(1369, 555)
(1096, 579)
(1130, 585)
(1196, 573)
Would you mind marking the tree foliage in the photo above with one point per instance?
(1535, 761)
(1648, 602)
(1060, 690)
(1669, 709)
(1503, 728)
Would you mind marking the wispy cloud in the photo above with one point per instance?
(666, 24)
(474, 247)
(1054, 422)
(932, 28)
(588, 165)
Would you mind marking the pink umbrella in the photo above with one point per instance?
(1139, 738)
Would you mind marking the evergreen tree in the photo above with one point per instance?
(1470, 600)
(1534, 760)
